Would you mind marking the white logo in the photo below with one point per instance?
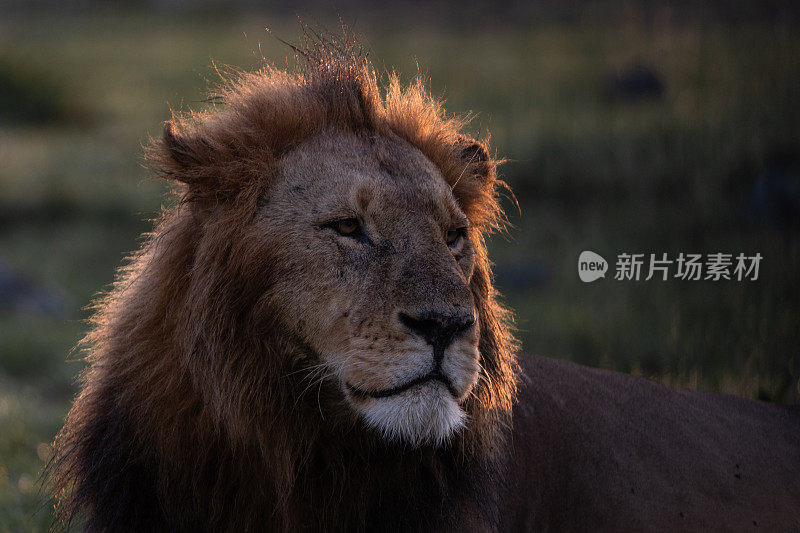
(591, 266)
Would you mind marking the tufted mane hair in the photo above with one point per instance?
(193, 404)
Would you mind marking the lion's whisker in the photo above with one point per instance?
(311, 383)
(304, 369)
(319, 404)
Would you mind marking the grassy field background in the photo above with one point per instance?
(710, 164)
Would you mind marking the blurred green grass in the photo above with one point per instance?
(674, 174)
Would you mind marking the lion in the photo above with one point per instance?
(310, 339)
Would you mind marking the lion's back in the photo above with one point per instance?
(603, 450)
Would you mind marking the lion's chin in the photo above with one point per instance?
(426, 414)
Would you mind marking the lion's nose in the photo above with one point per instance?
(438, 329)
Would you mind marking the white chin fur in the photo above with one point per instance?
(425, 414)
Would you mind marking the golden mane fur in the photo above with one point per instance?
(193, 413)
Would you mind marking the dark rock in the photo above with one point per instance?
(633, 83)
(775, 198)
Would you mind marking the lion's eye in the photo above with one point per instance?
(453, 236)
(348, 227)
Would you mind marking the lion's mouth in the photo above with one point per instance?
(385, 393)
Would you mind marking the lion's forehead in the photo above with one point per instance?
(380, 174)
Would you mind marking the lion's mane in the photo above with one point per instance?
(193, 414)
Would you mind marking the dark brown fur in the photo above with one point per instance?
(601, 451)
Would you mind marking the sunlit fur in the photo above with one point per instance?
(215, 396)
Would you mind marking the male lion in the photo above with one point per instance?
(310, 339)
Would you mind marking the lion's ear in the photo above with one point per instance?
(179, 148)
(476, 159)
(186, 157)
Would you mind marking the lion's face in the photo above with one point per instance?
(373, 260)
